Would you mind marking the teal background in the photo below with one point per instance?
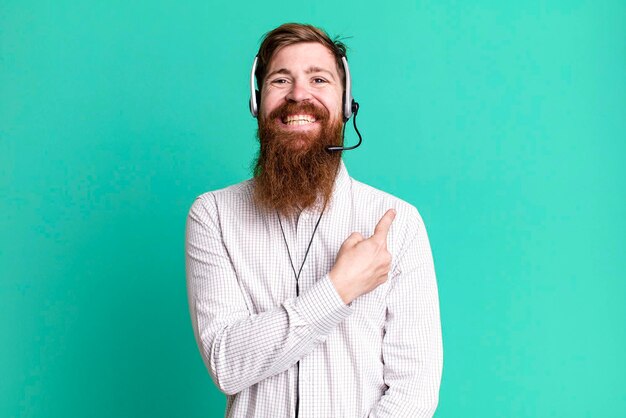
(503, 122)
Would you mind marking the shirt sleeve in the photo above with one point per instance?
(241, 349)
(412, 346)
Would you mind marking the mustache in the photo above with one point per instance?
(292, 108)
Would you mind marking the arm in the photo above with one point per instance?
(412, 347)
(241, 349)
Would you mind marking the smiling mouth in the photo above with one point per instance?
(298, 120)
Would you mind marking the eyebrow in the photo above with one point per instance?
(310, 70)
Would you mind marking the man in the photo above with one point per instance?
(312, 294)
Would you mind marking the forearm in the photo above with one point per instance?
(243, 350)
(413, 373)
(416, 396)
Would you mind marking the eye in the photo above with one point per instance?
(279, 81)
(319, 80)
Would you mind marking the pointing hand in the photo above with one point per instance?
(363, 264)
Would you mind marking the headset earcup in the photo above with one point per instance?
(254, 103)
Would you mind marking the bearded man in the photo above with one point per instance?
(312, 294)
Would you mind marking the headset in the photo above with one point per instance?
(350, 106)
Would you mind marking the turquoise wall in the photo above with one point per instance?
(503, 122)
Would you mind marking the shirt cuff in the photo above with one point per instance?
(321, 306)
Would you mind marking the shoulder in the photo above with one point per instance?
(407, 229)
(407, 239)
(378, 201)
(235, 197)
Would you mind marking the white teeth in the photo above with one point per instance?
(299, 119)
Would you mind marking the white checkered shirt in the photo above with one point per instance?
(272, 352)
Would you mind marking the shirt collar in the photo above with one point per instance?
(342, 180)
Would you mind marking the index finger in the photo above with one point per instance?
(382, 228)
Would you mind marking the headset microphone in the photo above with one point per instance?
(355, 111)
(350, 106)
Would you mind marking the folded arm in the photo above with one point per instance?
(241, 349)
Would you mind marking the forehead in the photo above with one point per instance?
(303, 55)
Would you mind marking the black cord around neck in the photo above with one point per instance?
(297, 275)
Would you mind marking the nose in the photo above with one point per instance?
(299, 92)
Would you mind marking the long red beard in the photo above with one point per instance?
(293, 169)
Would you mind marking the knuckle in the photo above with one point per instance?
(356, 235)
